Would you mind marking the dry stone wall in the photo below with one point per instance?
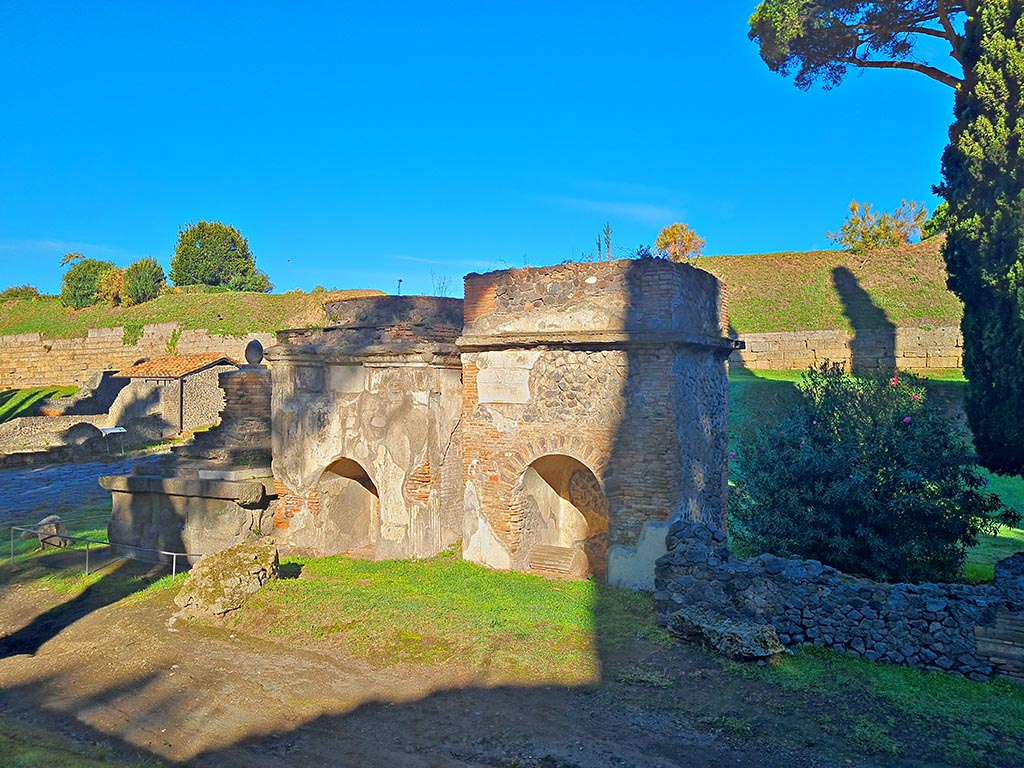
(29, 360)
(908, 349)
(970, 630)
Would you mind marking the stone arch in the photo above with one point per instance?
(528, 451)
(349, 508)
(562, 516)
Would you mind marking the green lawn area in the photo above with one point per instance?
(21, 402)
(494, 627)
(799, 292)
(968, 723)
(442, 610)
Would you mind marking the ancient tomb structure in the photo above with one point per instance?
(594, 410)
(210, 494)
(553, 422)
(367, 455)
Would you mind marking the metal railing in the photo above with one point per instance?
(43, 535)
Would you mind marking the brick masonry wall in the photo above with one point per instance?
(616, 365)
(28, 360)
(907, 349)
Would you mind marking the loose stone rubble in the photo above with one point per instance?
(220, 582)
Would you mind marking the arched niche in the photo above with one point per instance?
(349, 507)
(564, 509)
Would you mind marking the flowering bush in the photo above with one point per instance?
(863, 476)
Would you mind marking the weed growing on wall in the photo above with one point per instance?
(862, 475)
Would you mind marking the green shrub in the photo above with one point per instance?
(865, 230)
(143, 280)
(212, 253)
(111, 287)
(80, 285)
(133, 331)
(19, 292)
(860, 475)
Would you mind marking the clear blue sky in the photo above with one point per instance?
(357, 143)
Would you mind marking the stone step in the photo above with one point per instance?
(560, 562)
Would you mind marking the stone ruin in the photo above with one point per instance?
(553, 421)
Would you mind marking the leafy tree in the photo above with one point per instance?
(937, 222)
(211, 253)
(819, 40)
(80, 285)
(983, 171)
(678, 242)
(862, 476)
(864, 229)
(143, 280)
(110, 287)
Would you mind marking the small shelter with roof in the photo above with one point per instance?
(189, 393)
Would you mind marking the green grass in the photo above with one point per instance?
(798, 292)
(228, 314)
(88, 521)
(22, 402)
(496, 626)
(23, 749)
(973, 723)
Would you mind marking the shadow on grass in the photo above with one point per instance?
(120, 578)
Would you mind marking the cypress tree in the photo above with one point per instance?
(983, 171)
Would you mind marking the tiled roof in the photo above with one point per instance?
(174, 366)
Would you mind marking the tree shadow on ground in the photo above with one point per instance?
(120, 579)
(873, 345)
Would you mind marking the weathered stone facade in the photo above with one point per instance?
(29, 360)
(907, 349)
(211, 494)
(367, 456)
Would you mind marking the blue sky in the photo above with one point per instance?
(359, 143)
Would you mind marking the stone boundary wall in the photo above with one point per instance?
(28, 360)
(907, 349)
(969, 630)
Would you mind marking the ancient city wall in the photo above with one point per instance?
(28, 360)
(975, 631)
(908, 349)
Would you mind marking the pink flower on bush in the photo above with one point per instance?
(906, 419)
(915, 397)
(732, 454)
(895, 380)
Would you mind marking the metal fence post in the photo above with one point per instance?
(86, 557)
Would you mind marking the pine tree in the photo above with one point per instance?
(983, 170)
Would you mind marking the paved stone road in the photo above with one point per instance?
(58, 488)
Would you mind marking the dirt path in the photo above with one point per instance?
(120, 676)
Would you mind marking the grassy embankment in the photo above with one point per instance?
(767, 292)
(825, 290)
(228, 314)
